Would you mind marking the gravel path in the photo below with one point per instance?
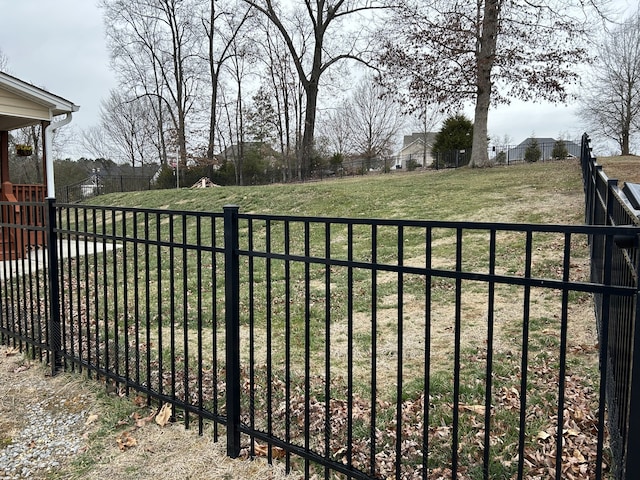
(48, 422)
(42, 420)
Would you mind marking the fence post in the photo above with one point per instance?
(232, 327)
(55, 331)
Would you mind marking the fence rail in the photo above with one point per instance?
(350, 348)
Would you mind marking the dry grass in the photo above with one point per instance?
(159, 452)
(625, 169)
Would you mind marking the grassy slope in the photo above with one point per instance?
(625, 169)
(513, 194)
(536, 193)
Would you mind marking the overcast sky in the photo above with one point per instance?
(59, 45)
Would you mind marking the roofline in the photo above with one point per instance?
(38, 95)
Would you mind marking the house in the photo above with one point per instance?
(517, 153)
(264, 150)
(24, 105)
(415, 148)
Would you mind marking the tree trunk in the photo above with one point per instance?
(212, 117)
(627, 121)
(485, 55)
(309, 128)
(624, 144)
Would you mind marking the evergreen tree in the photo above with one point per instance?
(559, 150)
(456, 134)
(533, 152)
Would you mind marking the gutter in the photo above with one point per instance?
(48, 139)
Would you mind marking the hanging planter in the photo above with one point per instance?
(24, 150)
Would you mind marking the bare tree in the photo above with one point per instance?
(4, 62)
(334, 127)
(611, 103)
(154, 47)
(94, 140)
(317, 36)
(373, 122)
(425, 120)
(450, 52)
(222, 24)
(130, 127)
(240, 59)
(280, 78)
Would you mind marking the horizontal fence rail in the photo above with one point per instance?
(348, 348)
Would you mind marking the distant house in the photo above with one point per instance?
(265, 151)
(516, 154)
(109, 177)
(415, 148)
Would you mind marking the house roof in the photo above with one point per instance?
(540, 141)
(418, 137)
(410, 141)
(23, 104)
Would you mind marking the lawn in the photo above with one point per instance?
(536, 193)
(549, 192)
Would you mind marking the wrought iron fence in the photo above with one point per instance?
(349, 348)
(318, 339)
(101, 185)
(615, 260)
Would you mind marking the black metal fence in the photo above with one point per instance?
(347, 348)
(451, 159)
(101, 185)
(534, 150)
(615, 260)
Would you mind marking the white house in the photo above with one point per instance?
(415, 148)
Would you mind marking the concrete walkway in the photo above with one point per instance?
(37, 258)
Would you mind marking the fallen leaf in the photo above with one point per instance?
(163, 416)
(91, 418)
(142, 421)
(479, 409)
(542, 435)
(278, 452)
(125, 440)
(577, 455)
(263, 451)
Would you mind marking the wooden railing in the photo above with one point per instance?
(15, 242)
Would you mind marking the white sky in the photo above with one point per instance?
(59, 45)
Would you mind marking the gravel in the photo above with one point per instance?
(46, 423)
(48, 439)
(42, 424)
